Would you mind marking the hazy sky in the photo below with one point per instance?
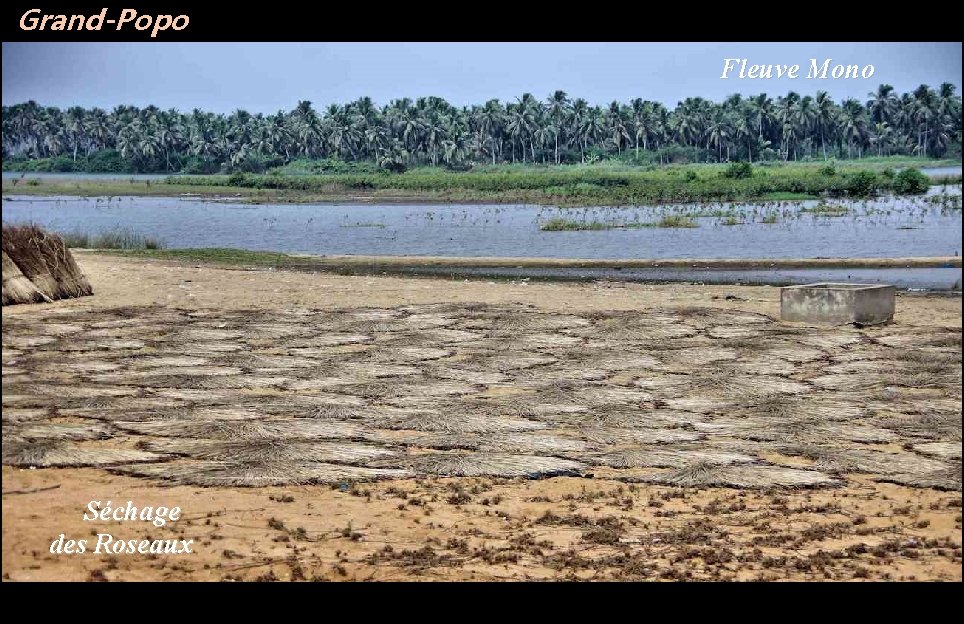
(266, 77)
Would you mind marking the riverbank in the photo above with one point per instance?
(565, 185)
(813, 460)
(930, 274)
(241, 257)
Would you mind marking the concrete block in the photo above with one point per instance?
(837, 304)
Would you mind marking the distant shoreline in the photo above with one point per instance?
(564, 185)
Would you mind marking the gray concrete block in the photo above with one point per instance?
(837, 304)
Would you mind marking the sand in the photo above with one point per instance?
(122, 281)
(604, 524)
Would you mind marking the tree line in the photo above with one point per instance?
(430, 131)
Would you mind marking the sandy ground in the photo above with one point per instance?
(597, 526)
(131, 282)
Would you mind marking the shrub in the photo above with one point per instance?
(108, 161)
(57, 164)
(680, 154)
(862, 184)
(199, 165)
(238, 179)
(828, 170)
(911, 182)
(738, 171)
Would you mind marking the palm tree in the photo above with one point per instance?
(825, 117)
(881, 104)
(430, 130)
(558, 111)
(854, 125)
(717, 132)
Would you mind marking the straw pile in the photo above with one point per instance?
(43, 258)
(17, 288)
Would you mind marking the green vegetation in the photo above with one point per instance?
(574, 184)
(112, 239)
(787, 196)
(911, 182)
(738, 171)
(863, 184)
(559, 224)
(677, 221)
(215, 255)
(565, 185)
(826, 210)
(100, 161)
(405, 133)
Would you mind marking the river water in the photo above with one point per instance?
(885, 227)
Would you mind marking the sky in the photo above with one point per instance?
(267, 77)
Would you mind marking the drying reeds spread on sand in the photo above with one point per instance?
(128, 385)
(478, 464)
(739, 476)
(245, 474)
(245, 429)
(668, 458)
(52, 452)
(261, 450)
(44, 259)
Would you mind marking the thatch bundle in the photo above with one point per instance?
(51, 452)
(486, 465)
(738, 476)
(454, 422)
(668, 458)
(267, 450)
(247, 474)
(43, 258)
(17, 288)
(234, 429)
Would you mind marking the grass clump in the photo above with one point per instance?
(112, 239)
(677, 221)
(738, 171)
(787, 196)
(826, 210)
(558, 224)
(218, 255)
